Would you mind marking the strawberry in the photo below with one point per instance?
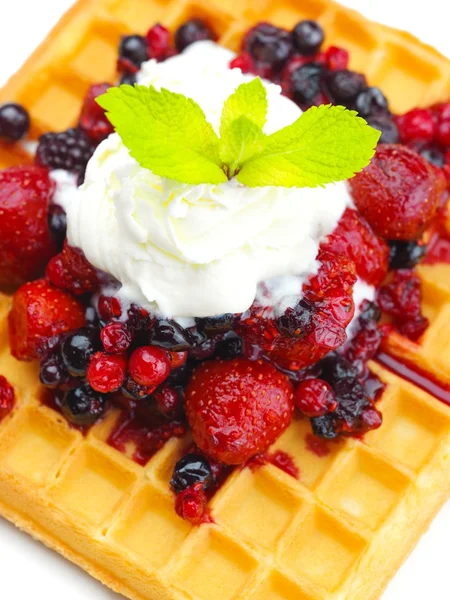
(25, 240)
(398, 192)
(40, 312)
(238, 408)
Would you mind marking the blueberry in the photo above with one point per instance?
(128, 79)
(345, 85)
(171, 336)
(306, 82)
(134, 48)
(14, 121)
(82, 406)
(434, 156)
(191, 468)
(308, 37)
(57, 223)
(77, 349)
(229, 348)
(211, 326)
(405, 254)
(52, 371)
(385, 123)
(192, 31)
(296, 322)
(371, 101)
(269, 45)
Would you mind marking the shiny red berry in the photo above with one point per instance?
(106, 372)
(109, 307)
(336, 58)
(149, 365)
(417, 125)
(158, 40)
(177, 359)
(315, 397)
(191, 504)
(244, 62)
(116, 337)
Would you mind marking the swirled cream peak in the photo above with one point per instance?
(199, 250)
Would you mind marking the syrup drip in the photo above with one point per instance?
(419, 377)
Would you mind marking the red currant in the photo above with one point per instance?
(149, 366)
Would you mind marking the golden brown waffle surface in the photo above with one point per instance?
(342, 529)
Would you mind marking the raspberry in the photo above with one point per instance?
(14, 122)
(244, 62)
(39, 312)
(69, 150)
(237, 408)
(70, 270)
(191, 504)
(192, 31)
(414, 328)
(149, 366)
(354, 238)
(158, 41)
(398, 193)
(116, 337)
(315, 397)
(402, 296)
(25, 240)
(109, 307)
(106, 372)
(93, 120)
(7, 398)
(336, 58)
(417, 125)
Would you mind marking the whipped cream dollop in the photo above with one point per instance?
(199, 250)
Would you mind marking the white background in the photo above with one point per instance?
(28, 570)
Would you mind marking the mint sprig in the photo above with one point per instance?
(169, 134)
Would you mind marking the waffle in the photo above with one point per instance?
(341, 530)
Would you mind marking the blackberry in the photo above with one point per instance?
(336, 368)
(371, 101)
(133, 48)
(82, 406)
(345, 85)
(69, 150)
(169, 335)
(405, 254)
(229, 348)
(269, 45)
(190, 469)
(370, 312)
(57, 223)
(306, 82)
(52, 371)
(192, 31)
(77, 349)
(385, 123)
(296, 322)
(308, 37)
(14, 121)
(211, 326)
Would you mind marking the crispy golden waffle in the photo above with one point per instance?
(343, 529)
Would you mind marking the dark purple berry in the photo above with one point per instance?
(128, 79)
(69, 150)
(192, 31)
(134, 48)
(211, 326)
(52, 371)
(14, 121)
(77, 349)
(371, 101)
(297, 321)
(135, 391)
(345, 85)
(385, 123)
(82, 406)
(169, 335)
(57, 223)
(269, 45)
(306, 82)
(434, 156)
(191, 468)
(405, 255)
(308, 37)
(370, 312)
(229, 348)
(203, 350)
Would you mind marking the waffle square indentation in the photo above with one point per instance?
(140, 15)
(96, 57)
(150, 527)
(289, 13)
(56, 107)
(351, 34)
(258, 508)
(277, 587)
(321, 549)
(215, 567)
(36, 446)
(92, 485)
(365, 487)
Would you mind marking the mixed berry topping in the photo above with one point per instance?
(234, 379)
(14, 122)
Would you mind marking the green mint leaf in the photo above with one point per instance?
(244, 115)
(165, 132)
(326, 144)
